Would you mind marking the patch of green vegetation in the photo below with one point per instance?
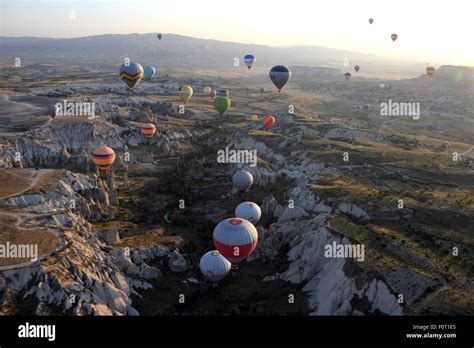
(357, 232)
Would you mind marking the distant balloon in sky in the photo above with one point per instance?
(357, 68)
(371, 20)
(430, 70)
(394, 37)
(249, 60)
(148, 130)
(206, 90)
(149, 72)
(221, 104)
(159, 36)
(214, 266)
(103, 158)
(263, 90)
(185, 93)
(242, 180)
(131, 74)
(347, 76)
(268, 121)
(248, 211)
(235, 239)
(280, 75)
(213, 94)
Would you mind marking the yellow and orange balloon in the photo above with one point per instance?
(103, 158)
(148, 130)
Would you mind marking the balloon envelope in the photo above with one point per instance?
(357, 68)
(223, 93)
(235, 239)
(148, 130)
(268, 121)
(213, 94)
(221, 104)
(214, 266)
(206, 90)
(248, 211)
(242, 180)
(148, 72)
(103, 158)
(280, 75)
(159, 36)
(185, 93)
(430, 70)
(394, 37)
(371, 20)
(347, 76)
(249, 60)
(131, 74)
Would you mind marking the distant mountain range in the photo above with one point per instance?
(173, 51)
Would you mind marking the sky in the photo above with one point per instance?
(435, 32)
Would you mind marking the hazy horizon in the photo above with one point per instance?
(341, 25)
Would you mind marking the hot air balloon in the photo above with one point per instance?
(235, 239)
(268, 121)
(221, 104)
(347, 76)
(263, 90)
(185, 93)
(148, 130)
(223, 93)
(214, 266)
(206, 90)
(131, 74)
(280, 75)
(213, 94)
(371, 20)
(103, 158)
(394, 37)
(357, 68)
(148, 72)
(242, 180)
(52, 110)
(430, 70)
(249, 60)
(254, 118)
(248, 211)
(159, 36)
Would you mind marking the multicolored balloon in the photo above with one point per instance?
(235, 239)
(280, 75)
(268, 121)
(248, 211)
(131, 74)
(103, 158)
(185, 93)
(221, 104)
(214, 266)
(249, 60)
(148, 130)
(149, 71)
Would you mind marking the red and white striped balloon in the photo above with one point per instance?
(235, 239)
